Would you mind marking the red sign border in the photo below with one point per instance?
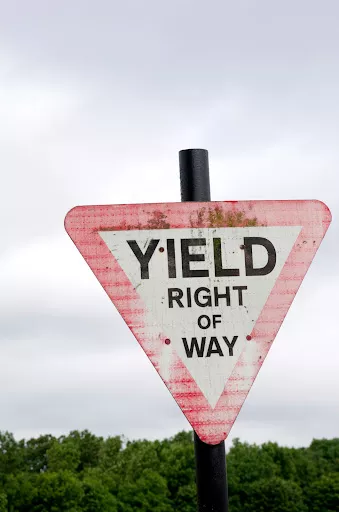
(83, 223)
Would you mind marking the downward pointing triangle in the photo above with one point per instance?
(204, 287)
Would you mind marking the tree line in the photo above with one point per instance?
(82, 472)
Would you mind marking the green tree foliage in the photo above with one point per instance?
(36, 453)
(97, 497)
(21, 489)
(56, 492)
(274, 494)
(64, 454)
(323, 496)
(148, 492)
(11, 455)
(85, 473)
(3, 502)
(89, 446)
(109, 452)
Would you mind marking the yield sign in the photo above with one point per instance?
(204, 287)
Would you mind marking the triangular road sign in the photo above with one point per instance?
(204, 287)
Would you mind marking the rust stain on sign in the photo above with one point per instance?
(217, 217)
(158, 221)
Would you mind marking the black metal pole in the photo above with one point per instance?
(210, 459)
(212, 489)
(194, 175)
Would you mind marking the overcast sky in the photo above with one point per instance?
(96, 100)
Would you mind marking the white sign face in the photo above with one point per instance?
(204, 288)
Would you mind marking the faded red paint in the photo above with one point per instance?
(83, 223)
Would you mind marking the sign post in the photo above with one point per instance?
(210, 460)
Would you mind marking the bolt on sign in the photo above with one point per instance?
(204, 287)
